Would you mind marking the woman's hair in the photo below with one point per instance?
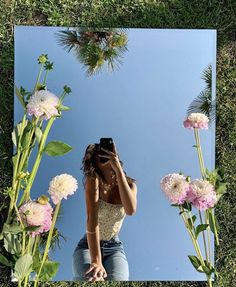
(89, 167)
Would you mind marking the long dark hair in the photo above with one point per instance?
(89, 167)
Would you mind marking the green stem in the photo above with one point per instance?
(25, 155)
(38, 78)
(14, 179)
(203, 234)
(28, 251)
(194, 240)
(45, 77)
(37, 161)
(208, 234)
(48, 242)
(199, 152)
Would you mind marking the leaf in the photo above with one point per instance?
(11, 243)
(176, 205)
(195, 261)
(187, 206)
(14, 159)
(26, 135)
(38, 134)
(14, 228)
(181, 212)
(49, 270)
(32, 228)
(63, 108)
(190, 221)
(212, 221)
(200, 228)
(20, 97)
(56, 148)
(5, 261)
(23, 266)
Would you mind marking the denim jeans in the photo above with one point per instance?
(113, 259)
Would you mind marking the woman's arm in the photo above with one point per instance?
(91, 196)
(128, 194)
(93, 237)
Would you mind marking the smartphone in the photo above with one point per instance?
(106, 143)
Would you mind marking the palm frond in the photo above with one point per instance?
(207, 76)
(203, 104)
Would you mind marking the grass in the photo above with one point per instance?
(186, 14)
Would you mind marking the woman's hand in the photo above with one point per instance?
(113, 158)
(99, 272)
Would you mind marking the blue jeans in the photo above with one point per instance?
(113, 259)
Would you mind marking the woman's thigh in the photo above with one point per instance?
(80, 264)
(116, 266)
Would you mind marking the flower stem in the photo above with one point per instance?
(48, 242)
(194, 240)
(14, 180)
(37, 161)
(38, 78)
(203, 234)
(199, 151)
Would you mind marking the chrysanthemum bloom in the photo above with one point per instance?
(61, 186)
(175, 187)
(202, 194)
(196, 120)
(33, 213)
(43, 104)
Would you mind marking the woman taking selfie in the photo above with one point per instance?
(110, 196)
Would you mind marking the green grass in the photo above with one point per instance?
(150, 14)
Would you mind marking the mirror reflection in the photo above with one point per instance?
(131, 90)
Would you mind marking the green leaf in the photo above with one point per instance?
(63, 108)
(38, 134)
(49, 270)
(23, 266)
(200, 228)
(181, 212)
(212, 221)
(187, 206)
(195, 261)
(13, 228)
(56, 148)
(26, 135)
(20, 97)
(11, 243)
(14, 159)
(5, 261)
(176, 205)
(32, 228)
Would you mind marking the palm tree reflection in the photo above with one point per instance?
(203, 102)
(95, 47)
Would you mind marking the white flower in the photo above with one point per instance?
(43, 104)
(196, 120)
(61, 186)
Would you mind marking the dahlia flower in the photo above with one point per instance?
(43, 104)
(61, 186)
(33, 213)
(201, 194)
(196, 120)
(175, 187)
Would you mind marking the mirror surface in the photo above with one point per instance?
(142, 106)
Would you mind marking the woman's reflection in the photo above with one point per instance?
(110, 195)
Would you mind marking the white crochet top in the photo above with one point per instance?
(110, 219)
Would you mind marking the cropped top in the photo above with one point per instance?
(110, 219)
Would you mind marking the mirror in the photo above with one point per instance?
(141, 105)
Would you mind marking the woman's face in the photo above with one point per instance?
(101, 166)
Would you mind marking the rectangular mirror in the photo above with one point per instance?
(139, 97)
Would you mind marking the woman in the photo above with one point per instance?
(110, 196)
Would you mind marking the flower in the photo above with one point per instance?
(175, 187)
(202, 194)
(43, 104)
(33, 213)
(61, 186)
(196, 120)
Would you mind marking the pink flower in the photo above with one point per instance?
(196, 120)
(202, 194)
(175, 187)
(33, 213)
(43, 104)
(61, 186)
